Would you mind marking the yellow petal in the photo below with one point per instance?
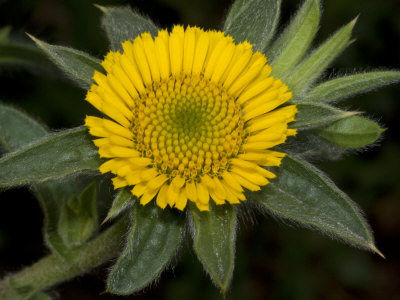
(162, 196)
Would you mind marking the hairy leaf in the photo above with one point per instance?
(121, 24)
(310, 146)
(123, 199)
(311, 67)
(346, 86)
(301, 193)
(312, 115)
(295, 40)
(352, 132)
(78, 65)
(214, 235)
(18, 129)
(254, 21)
(152, 242)
(53, 156)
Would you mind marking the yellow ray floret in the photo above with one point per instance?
(192, 117)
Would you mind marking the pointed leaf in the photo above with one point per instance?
(311, 68)
(79, 217)
(152, 242)
(292, 45)
(254, 21)
(54, 156)
(18, 129)
(121, 24)
(123, 200)
(301, 193)
(346, 86)
(352, 132)
(214, 235)
(312, 115)
(78, 65)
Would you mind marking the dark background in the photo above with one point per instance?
(274, 261)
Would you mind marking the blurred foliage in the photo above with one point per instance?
(274, 261)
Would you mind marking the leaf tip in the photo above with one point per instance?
(38, 42)
(105, 220)
(376, 250)
(354, 21)
(382, 130)
(102, 8)
(347, 114)
(32, 37)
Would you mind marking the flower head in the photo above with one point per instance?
(193, 117)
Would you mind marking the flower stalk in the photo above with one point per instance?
(52, 270)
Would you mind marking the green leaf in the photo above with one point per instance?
(79, 217)
(312, 115)
(152, 242)
(310, 146)
(54, 156)
(254, 21)
(346, 86)
(301, 193)
(52, 196)
(18, 129)
(78, 65)
(311, 67)
(214, 234)
(123, 200)
(292, 45)
(121, 24)
(352, 132)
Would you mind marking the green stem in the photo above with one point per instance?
(52, 270)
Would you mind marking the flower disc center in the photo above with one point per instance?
(188, 126)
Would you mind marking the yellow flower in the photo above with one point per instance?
(193, 117)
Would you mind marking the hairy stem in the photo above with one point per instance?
(52, 270)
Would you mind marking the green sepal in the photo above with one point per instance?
(310, 69)
(295, 40)
(352, 132)
(18, 129)
(122, 200)
(313, 115)
(214, 234)
(53, 156)
(79, 217)
(152, 242)
(78, 65)
(122, 24)
(346, 86)
(254, 21)
(302, 194)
